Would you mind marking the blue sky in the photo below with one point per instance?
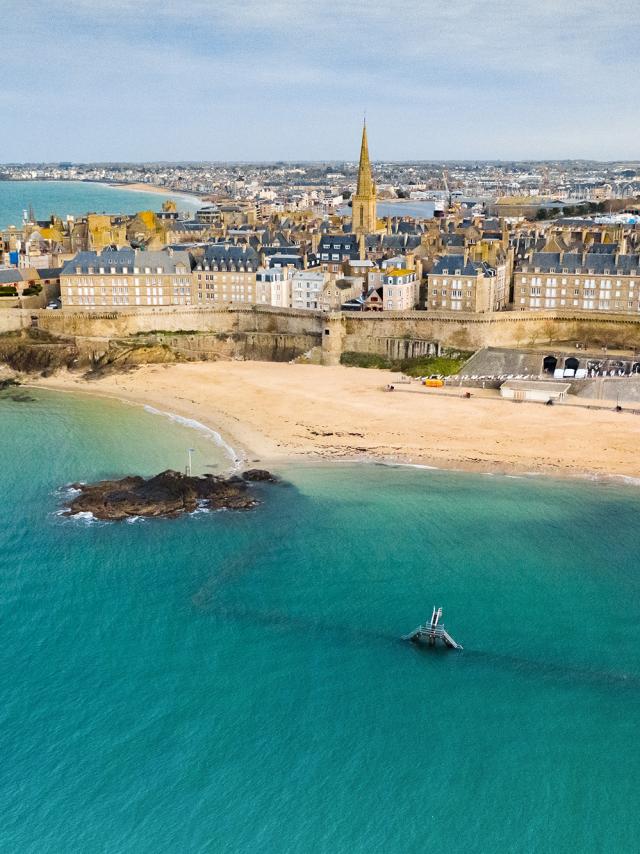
(279, 80)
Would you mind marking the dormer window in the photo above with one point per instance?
(147, 270)
(552, 269)
(458, 272)
(78, 269)
(445, 272)
(136, 270)
(101, 269)
(565, 269)
(90, 270)
(158, 269)
(606, 272)
(112, 269)
(125, 270)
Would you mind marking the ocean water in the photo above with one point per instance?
(403, 208)
(77, 198)
(237, 683)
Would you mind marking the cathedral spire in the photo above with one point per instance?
(365, 178)
(364, 200)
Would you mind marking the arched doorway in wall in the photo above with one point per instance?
(549, 364)
(572, 363)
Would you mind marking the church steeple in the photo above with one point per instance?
(366, 187)
(364, 200)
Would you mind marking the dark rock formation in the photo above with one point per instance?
(168, 494)
(258, 475)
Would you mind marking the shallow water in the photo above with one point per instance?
(236, 682)
(77, 198)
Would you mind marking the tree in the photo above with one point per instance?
(549, 330)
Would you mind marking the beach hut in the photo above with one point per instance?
(539, 392)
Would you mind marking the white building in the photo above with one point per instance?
(401, 290)
(273, 286)
(307, 287)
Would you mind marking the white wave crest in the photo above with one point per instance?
(85, 516)
(201, 428)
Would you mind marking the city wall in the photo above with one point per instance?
(410, 334)
(282, 334)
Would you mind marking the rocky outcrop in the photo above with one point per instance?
(259, 475)
(168, 494)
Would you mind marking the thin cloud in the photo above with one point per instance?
(290, 79)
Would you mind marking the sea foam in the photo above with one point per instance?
(201, 428)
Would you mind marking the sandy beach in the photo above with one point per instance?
(152, 188)
(270, 412)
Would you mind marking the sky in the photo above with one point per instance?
(100, 80)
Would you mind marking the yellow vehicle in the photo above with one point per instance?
(433, 383)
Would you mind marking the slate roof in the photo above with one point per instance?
(449, 264)
(229, 256)
(50, 272)
(344, 241)
(10, 277)
(119, 259)
(583, 262)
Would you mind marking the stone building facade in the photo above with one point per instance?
(125, 278)
(226, 274)
(457, 283)
(602, 281)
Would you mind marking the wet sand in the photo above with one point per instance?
(271, 411)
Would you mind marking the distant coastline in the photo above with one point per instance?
(78, 197)
(140, 187)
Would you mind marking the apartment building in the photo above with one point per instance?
(273, 286)
(602, 280)
(400, 289)
(336, 249)
(122, 278)
(226, 274)
(456, 283)
(338, 291)
(307, 287)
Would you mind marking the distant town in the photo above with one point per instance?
(468, 238)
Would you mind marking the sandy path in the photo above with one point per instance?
(274, 411)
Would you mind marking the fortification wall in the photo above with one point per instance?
(230, 320)
(389, 333)
(258, 346)
(279, 334)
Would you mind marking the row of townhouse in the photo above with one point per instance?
(603, 280)
(458, 283)
(286, 287)
(221, 275)
(121, 278)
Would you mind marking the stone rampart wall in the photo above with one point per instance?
(373, 332)
(270, 333)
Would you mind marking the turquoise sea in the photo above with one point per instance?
(77, 198)
(236, 683)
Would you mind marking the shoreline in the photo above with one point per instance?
(134, 187)
(344, 417)
(141, 187)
